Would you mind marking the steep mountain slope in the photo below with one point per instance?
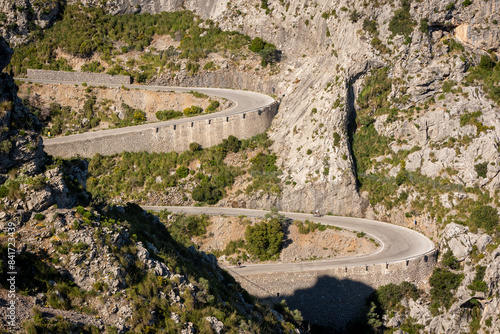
(99, 269)
(388, 110)
(330, 54)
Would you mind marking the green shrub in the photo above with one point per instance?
(336, 139)
(213, 106)
(484, 216)
(207, 192)
(488, 73)
(448, 85)
(3, 191)
(374, 96)
(5, 146)
(478, 284)
(131, 115)
(198, 94)
(450, 261)
(468, 118)
(378, 45)
(424, 25)
(183, 227)
(233, 246)
(401, 23)
(94, 66)
(164, 115)
(453, 45)
(39, 216)
(265, 174)
(329, 13)
(192, 68)
(192, 111)
(481, 169)
(12, 190)
(307, 226)
(388, 296)
(267, 51)
(264, 239)
(401, 177)
(367, 145)
(257, 45)
(486, 63)
(442, 283)
(354, 16)
(370, 26)
(193, 147)
(232, 144)
(182, 172)
(209, 66)
(264, 163)
(260, 140)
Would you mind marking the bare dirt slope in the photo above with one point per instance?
(298, 247)
(74, 96)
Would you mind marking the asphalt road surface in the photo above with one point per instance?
(396, 243)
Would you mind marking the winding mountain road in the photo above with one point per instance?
(397, 243)
(243, 101)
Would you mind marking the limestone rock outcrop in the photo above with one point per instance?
(19, 140)
(21, 19)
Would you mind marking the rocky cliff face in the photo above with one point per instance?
(22, 20)
(437, 135)
(24, 189)
(98, 270)
(474, 306)
(329, 52)
(20, 143)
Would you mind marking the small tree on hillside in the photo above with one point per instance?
(232, 144)
(264, 239)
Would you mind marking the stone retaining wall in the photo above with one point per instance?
(95, 78)
(334, 297)
(170, 137)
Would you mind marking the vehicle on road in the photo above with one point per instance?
(317, 214)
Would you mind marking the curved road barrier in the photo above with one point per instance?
(397, 244)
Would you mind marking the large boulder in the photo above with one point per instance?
(459, 240)
(482, 242)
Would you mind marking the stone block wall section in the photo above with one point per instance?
(334, 297)
(167, 138)
(94, 78)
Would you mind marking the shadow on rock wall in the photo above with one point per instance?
(331, 303)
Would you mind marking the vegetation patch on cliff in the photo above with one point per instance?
(199, 175)
(488, 73)
(84, 31)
